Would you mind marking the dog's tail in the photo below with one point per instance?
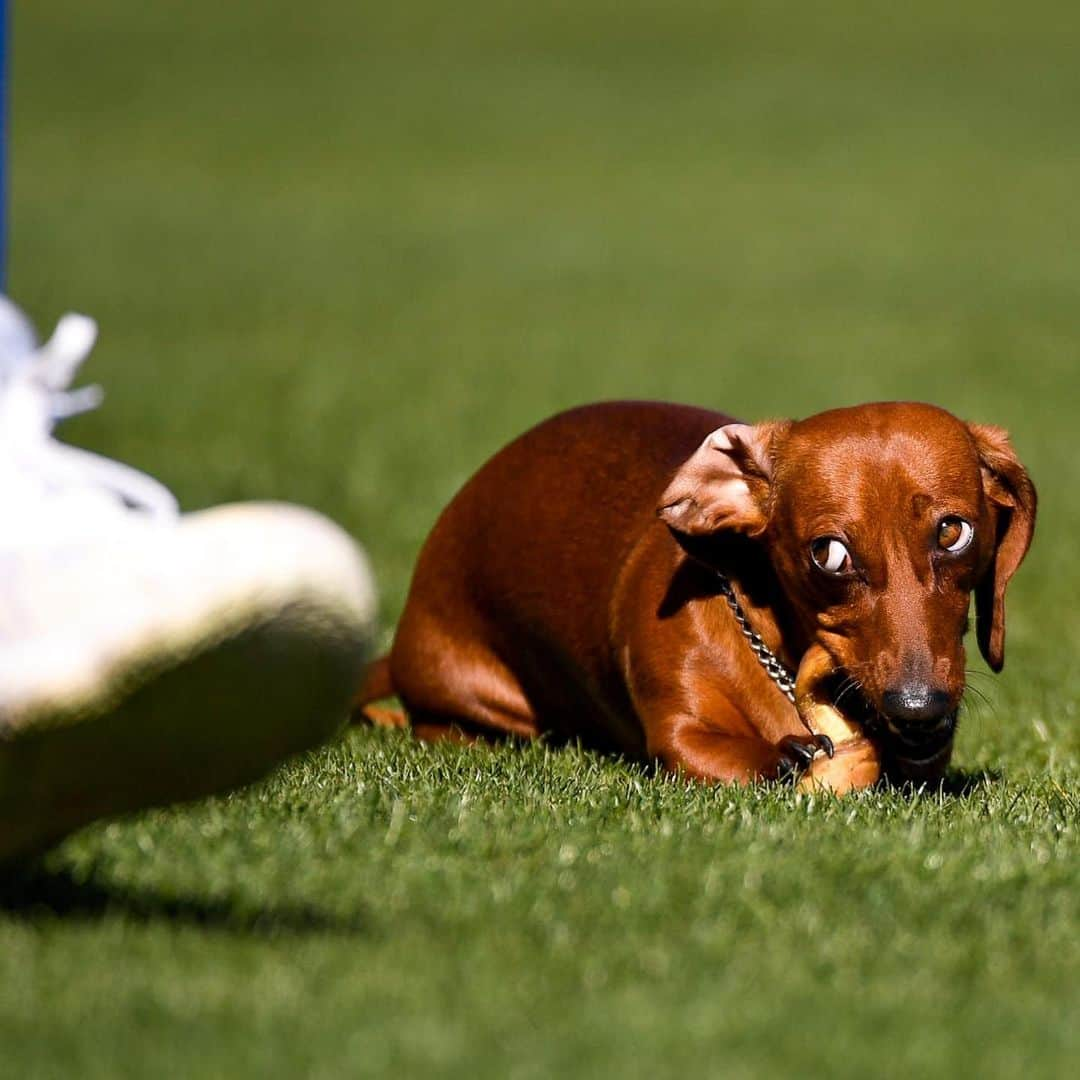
(376, 685)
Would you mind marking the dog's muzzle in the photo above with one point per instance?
(916, 753)
(916, 741)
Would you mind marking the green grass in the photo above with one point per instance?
(340, 253)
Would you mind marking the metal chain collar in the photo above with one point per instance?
(776, 669)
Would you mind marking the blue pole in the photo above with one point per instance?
(4, 29)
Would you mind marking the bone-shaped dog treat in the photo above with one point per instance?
(856, 762)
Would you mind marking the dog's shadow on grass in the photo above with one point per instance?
(962, 783)
(35, 892)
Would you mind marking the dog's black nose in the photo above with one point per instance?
(915, 704)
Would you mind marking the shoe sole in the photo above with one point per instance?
(241, 679)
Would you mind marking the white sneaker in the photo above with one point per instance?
(145, 656)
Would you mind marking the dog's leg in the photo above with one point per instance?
(471, 721)
(376, 686)
(436, 727)
(725, 751)
(381, 716)
(453, 686)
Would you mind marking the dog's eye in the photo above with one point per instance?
(954, 534)
(830, 555)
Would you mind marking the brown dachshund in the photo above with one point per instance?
(665, 582)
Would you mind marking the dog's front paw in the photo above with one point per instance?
(797, 754)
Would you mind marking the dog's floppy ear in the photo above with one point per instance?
(1011, 495)
(724, 485)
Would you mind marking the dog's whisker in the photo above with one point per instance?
(849, 686)
(979, 701)
(845, 684)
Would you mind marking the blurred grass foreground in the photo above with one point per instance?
(340, 253)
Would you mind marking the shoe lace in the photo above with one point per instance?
(35, 396)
